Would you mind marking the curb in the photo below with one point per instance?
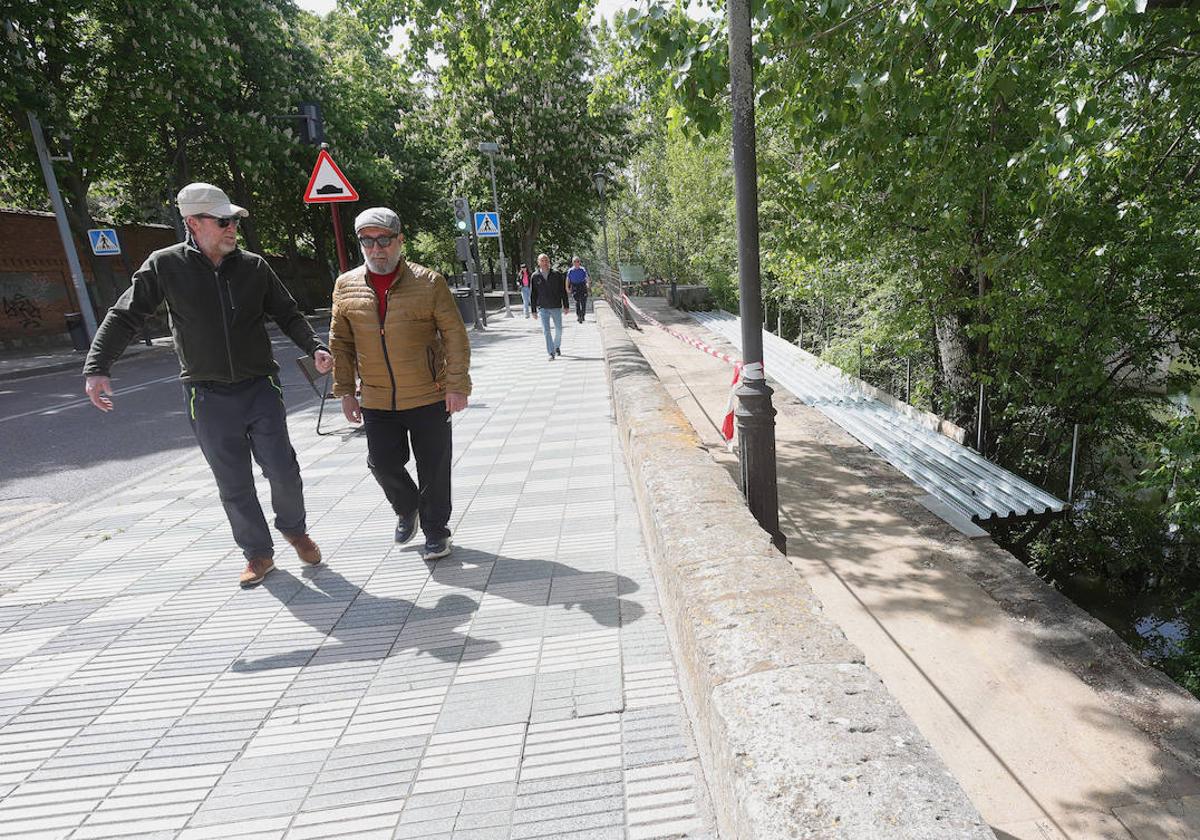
(26, 373)
(76, 363)
(797, 736)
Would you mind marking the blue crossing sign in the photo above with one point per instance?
(104, 242)
(487, 224)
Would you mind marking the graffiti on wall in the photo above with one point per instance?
(32, 304)
(21, 309)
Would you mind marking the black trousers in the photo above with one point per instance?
(424, 432)
(580, 293)
(237, 422)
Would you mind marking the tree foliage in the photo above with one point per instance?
(148, 96)
(1004, 194)
(509, 76)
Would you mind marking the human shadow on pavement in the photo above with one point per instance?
(368, 627)
(542, 583)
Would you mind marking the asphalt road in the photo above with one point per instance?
(56, 448)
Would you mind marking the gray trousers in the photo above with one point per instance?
(237, 422)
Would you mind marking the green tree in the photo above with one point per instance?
(519, 74)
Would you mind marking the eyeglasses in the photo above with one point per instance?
(384, 241)
(222, 221)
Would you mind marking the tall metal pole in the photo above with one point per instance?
(339, 238)
(500, 238)
(64, 229)
(607, 265)
(1074, 450)
(755, 414)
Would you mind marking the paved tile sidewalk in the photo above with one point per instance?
(523, 687)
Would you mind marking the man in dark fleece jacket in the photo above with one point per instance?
(549, 299)
(219, 298)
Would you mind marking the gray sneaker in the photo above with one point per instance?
(435, 549)
(406, 526)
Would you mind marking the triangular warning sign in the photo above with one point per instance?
(327, 182)
(103, 243)
(487, 227)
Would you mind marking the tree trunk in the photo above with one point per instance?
(175, 154)
(954, 353)
(529, 235)
(321, 245)
(241, 197)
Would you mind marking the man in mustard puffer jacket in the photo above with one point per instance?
(396, 328)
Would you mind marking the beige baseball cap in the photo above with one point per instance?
(202, 199)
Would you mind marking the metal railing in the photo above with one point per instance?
(959, 477)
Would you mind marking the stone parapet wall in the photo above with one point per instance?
(798, 737)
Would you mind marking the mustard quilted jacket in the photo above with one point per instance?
(419, 353)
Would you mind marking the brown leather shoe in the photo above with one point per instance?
(256, 569)
(305, 548)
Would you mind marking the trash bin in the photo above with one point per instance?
(77, 330)
(466, 305)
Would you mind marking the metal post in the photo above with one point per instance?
(500, 238)
(339, 239)
(755, 414)
(858, 370)
(979, 423)
(473, 285)
(64, 229)
(1074, 450)
(908, 379)
(779, 322)
(800, 336)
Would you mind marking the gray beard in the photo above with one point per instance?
(386, 266)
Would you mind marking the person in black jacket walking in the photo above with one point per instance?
(219, 298)
(549, 299)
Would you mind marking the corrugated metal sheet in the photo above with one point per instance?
(959, 477)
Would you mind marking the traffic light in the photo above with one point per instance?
(462, 216)
(312, 127)
(462, 248)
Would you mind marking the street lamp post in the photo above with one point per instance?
(491, 149)
(755, 414)
(613, 284)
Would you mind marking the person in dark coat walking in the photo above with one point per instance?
(219, 298)
(549, 299)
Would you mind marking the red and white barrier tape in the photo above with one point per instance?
(699, 345)
(751, 371)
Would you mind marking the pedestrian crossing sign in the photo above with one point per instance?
(487, 224)
(104, 242)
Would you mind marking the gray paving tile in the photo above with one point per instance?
(522, 687)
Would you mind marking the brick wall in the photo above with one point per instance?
(36, 291)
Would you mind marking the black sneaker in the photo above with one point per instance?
(406, 526)
(435, 549)
(557, 351)
(552, 357)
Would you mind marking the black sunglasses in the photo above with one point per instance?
(222, 221)
(384, 241)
